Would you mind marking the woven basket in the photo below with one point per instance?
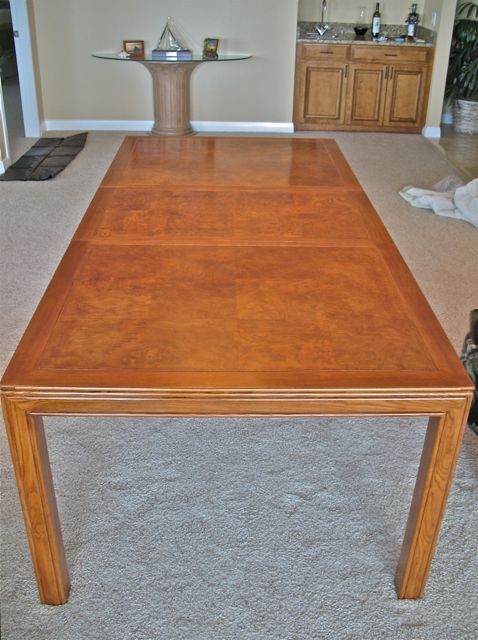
(465, 116)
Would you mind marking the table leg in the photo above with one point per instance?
(172, 96)
(435, 473)
(35, 486)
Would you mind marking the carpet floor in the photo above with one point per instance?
(241, 529)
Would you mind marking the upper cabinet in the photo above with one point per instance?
(361, 87)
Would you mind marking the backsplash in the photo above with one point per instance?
(347, 29)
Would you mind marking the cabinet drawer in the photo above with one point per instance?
(387, 54)
(322, 51)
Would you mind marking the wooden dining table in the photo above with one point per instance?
(233, 276)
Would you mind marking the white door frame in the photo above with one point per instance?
(26, 70)
(4, 162)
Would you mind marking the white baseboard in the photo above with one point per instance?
(4, 164)
(431, 132)
(146, 125)
(97, 125)
(210, 126)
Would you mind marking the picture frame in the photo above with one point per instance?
(135, 48)
(210, 48)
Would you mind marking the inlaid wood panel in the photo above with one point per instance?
(324, 93)
(366, 95)
(405, 95)
(232, 163)
(194, 216)
(258, 309)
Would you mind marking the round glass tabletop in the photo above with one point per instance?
(147, 58)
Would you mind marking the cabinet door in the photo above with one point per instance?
(366, 95)
(405, 96)
(322, 93)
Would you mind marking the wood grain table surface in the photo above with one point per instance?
(229, 276)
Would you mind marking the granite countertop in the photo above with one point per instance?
(353, 40)
(343, 33)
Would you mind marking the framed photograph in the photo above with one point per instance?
(135, 48)
(210, 48)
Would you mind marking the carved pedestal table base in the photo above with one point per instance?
(172, 101)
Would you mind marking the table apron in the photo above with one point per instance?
(230, 406)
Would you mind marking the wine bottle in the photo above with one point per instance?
(412, 21)
(376, 21)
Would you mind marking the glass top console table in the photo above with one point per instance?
(171, 89)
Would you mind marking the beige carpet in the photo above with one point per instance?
(241, 529)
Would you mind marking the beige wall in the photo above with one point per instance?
(76, 86)
(429, 8)
(36, 68)
(446, 17)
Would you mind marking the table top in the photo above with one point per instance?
(109, 55)
(233, 263)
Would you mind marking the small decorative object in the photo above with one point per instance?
(362, 18)
(210, 48)
(170, 46)
(123, 55)
(361, 27)
(360, 31)
(134, 48)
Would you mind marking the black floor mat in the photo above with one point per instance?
(46, 158)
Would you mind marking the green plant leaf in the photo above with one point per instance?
(469, 7)
(462, 77)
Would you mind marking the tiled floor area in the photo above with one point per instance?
(461, 150)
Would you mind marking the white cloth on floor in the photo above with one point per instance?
(449, 197)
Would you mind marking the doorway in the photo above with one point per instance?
(17, 75)
(10, 83)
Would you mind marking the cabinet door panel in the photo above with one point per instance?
(324, 93)
(366, 96)
(405, 94)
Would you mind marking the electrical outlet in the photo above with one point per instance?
(434, 19)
